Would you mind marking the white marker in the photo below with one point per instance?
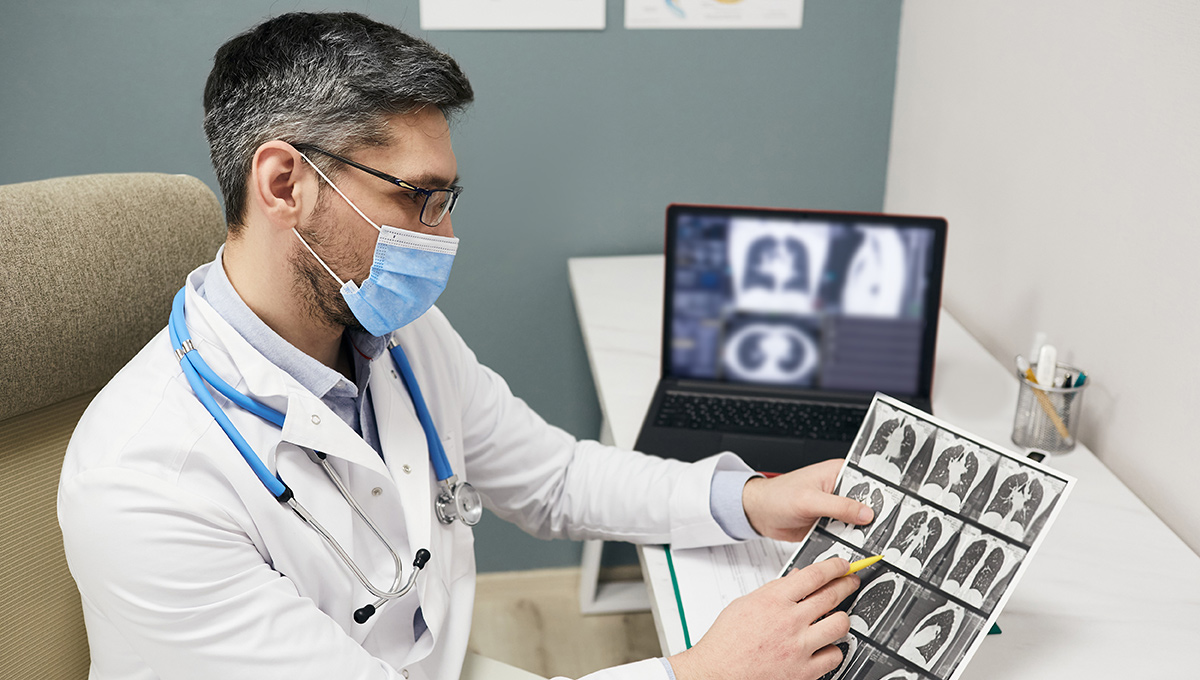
(1047, 365)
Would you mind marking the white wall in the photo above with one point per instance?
(1061, 139)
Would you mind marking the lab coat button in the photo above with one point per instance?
(404, 672)
(406, 469)
(316, 419)
(376, 491)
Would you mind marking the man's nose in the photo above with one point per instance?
(444, 228)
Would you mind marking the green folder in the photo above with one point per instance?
(687, 638)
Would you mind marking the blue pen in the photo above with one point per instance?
(1080, 379)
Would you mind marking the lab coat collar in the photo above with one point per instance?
(310, 424)
(263, 380)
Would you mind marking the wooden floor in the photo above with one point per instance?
(531, 619)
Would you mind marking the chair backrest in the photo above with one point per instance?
(88, 266)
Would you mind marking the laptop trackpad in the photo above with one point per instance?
(776, 454)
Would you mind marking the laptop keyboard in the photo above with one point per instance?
(748, 415)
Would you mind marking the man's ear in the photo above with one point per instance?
(280, 190)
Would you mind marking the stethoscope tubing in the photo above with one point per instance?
(193, 373)
(337, 481)
(179, 332)
(441, 465)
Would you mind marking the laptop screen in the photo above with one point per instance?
(824, 301)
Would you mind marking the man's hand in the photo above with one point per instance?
(786, 507)
(774, 632)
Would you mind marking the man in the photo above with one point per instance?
(330, 140)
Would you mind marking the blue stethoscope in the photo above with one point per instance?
(455, 499)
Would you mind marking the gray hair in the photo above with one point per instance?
(331, 80)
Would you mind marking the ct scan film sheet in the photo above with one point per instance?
(956, 519)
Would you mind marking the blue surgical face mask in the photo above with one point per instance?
(408, 274)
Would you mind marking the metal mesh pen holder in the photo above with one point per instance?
(1047, 418)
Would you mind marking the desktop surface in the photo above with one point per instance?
(1112, 593)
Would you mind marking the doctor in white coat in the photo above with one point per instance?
(330, 139)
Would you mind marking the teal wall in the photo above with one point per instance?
(576, 144)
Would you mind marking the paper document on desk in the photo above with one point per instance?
(957, 520)
(707, 579)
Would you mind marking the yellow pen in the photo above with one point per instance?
(862, 564)
(1048, 407)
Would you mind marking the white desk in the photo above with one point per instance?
(1112, 592)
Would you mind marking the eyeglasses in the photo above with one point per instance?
(438, 202)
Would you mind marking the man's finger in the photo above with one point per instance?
(828, 596)
(841, 508)
(826, 472)
(826, 659)
(799, 584)
(829, 629)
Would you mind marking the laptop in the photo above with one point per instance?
(781, 325)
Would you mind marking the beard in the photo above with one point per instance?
(317, 291)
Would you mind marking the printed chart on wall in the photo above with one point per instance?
(512, 15)
(713, 13)
(957, 521)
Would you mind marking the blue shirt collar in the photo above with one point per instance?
(318, 378)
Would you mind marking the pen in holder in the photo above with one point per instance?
(1048, 417)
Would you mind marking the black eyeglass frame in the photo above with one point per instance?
(454, 192)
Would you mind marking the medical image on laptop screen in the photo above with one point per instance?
(787, 301)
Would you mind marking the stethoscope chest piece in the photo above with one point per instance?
(458, 500)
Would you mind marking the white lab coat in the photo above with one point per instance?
(188, 567)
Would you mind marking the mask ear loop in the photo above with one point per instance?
(360, 213)
(341, 283)
(337, 278)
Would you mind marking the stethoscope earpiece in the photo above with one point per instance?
(368, 610)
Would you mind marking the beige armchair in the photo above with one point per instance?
(88, 266)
